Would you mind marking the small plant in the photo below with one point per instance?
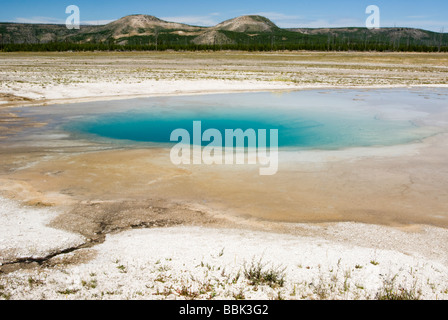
(4, 295)
(257, 275)
(396, 294)
(239, 295)
(92, 284)
(68, 291)
(122, 268)
(359, 286)
(390, 291)
(32, 282)
(161, 278)
(235, 279)
(187, 292)
(280, 296)
(206, 287)
(212, 295)
(163, 268)
(347, 276)
(321, 291)
(374, 262)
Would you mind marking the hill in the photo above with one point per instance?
(252, 32)
(248, 24)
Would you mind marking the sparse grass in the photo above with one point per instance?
(280, 296)
(391, 291)
(347, 276)
(161, 278)
(163, 268)
(239, 295)
(235, 278)
(187, 292)
(91, 284)
(321, 290)
(68, 291)
(34, 282)
(122, 268)
(3, 294)
(255, 278)
(258, 274)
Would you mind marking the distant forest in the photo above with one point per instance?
(251, 47)
(41, 38)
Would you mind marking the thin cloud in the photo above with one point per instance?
(96, 22)
(323, 23)
(432, 25)
(300, 21)
(207, 20)
(50, 20)
(278, 16)
(280, 19)
(40, 20)
(417, 17)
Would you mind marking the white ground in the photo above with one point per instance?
(102, 90)
(202, 263)
(24, 234)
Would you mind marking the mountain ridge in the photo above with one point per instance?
(249, 31)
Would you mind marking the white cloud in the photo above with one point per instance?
(96, 22)
(280, 19)
(432, 25)
(326, 23)
(207, 20)
(300, 21)
(49, 20)
(278, 16)
(43, 20)
(417, 17)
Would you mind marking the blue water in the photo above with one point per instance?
(301, 123)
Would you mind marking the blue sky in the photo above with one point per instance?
(428, 14)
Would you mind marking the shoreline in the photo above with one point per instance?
(104, 76)
(6, 104)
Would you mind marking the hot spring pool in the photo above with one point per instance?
(304, 119)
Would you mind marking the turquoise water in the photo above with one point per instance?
(313, 122)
